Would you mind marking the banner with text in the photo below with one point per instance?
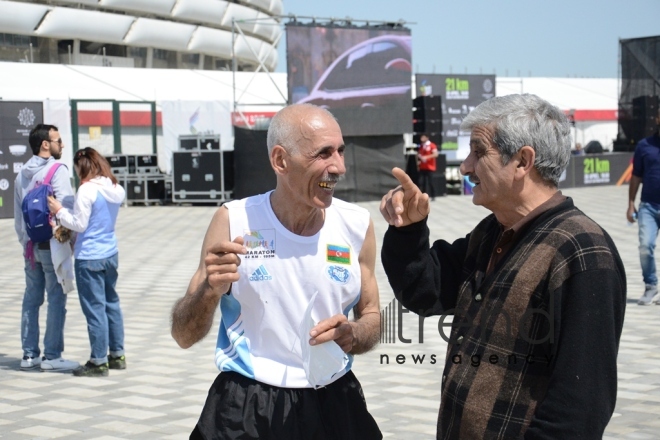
(16, 121)
(459, 94)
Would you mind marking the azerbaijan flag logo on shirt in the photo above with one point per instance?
(339, 254)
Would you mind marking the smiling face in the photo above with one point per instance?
(494, 181)
(317, 162)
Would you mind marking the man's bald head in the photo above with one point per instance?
(295, 124)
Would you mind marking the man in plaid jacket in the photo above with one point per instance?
(537, 289)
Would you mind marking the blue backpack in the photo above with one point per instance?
(35, 209)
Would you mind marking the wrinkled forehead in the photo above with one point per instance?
(483, 135)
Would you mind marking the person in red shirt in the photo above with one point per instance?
(426, 154)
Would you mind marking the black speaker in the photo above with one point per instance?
(228, 167)
(146, 164)
(254, 175)
(427, 118)
(645, 112)
(136, 190)
(439, 183)
(196, 171)
(199, 142)
(121, 163)
(139, 189)
(441, 163)
(427, 107)
(198, 175)
(188, 144)
(212, 143)
(427, 126)
(411, 167)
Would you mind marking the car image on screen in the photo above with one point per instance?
(368, 87)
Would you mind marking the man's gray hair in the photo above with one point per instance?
(519, 120)
(284, 128)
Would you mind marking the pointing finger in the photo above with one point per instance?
(406, 182)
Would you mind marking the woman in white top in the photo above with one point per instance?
(94, 217)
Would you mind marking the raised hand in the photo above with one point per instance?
(222, 261)
(405, 204)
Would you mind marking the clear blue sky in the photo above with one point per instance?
(559, 38)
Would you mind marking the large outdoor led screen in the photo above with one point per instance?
(361, 75)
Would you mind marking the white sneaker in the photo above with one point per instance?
(28, 363)
(59, 364)
(650, 296)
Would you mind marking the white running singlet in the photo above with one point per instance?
(258, 334)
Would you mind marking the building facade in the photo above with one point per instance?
(177, 34)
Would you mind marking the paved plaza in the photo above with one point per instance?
(161, 393)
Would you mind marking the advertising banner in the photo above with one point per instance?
(16, 121)
(599, 169)
(459, 95)
(363, 76)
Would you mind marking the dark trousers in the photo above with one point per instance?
(426, 180)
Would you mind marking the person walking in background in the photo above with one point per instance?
(537, 288)
(94, 217)
(40, 276)
(426, 155)
(646, 172)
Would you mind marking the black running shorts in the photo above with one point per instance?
(241, 408)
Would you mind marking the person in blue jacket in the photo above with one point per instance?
(646, 172)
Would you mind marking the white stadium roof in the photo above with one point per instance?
(192, 26)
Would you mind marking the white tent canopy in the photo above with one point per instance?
(24, 81)
(593, 101)
(264, 92)
(36, 82)
(566, 93)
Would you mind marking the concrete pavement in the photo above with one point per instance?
(162, 392)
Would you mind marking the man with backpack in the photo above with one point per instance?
(40, 276)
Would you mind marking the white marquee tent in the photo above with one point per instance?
(592, 101)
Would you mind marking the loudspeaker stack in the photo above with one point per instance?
(645, 112)
(427, 118)
(141, 177)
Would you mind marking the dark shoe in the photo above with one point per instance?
(90, 369)
(117, 362)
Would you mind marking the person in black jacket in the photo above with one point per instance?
(537, 289)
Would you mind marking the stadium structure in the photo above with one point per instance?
(175, 34)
